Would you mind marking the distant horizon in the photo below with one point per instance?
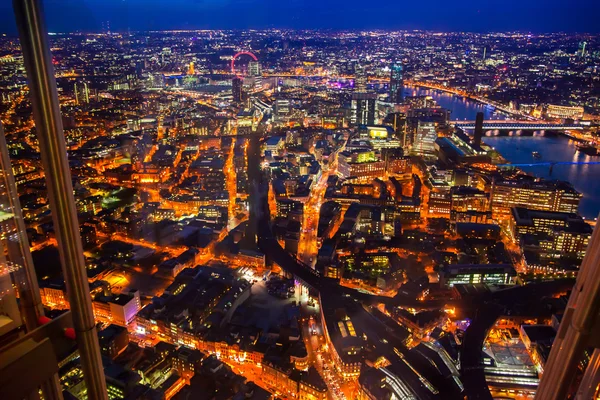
(332, 30)
(460, 16)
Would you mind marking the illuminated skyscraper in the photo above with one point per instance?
(254, 68)
(396, 82)
(237, 89)
(255, 73)
(360, 79)
(581, 52)
(363, 108)
(399, 125)
(82, 93)
(425, 137)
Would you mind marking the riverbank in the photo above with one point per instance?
(455, 92)
(515, 149)
(461, 108)
(555, 148)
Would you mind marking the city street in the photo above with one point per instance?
(308, 244)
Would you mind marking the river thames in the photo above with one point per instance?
(518, 150)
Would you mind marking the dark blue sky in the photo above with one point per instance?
(457, 15)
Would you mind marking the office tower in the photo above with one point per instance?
(362, 165)
(254, 68)
(281, 109)
(582, 49)
(478, 134)
(425, 137)
(540, 195)
(139, 68)
(440, 116)
(257, 82)
(396, 83)
(82, 93)
(399, 125)
(551, 240)
(363, 108)
(157, 80)
(360, 79)
(237, 89)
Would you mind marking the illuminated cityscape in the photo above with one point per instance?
(297, 214)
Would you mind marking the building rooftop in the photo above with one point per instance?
(538, 333)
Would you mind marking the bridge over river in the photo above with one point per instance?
(515, 125)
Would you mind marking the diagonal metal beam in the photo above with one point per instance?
(51, 137)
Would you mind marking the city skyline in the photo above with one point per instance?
(437, 15)
(311, 214)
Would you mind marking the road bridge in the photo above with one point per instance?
(513, 125)
(549, 164)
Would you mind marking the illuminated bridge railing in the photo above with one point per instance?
(548, 164)
(518, 126)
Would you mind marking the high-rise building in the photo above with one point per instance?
(548, 237)
(478, 134)
(399, 126)
(425, 137)
(360, 79)
(237, 89)
(361, 164)
(281, 108)
(439, 116)
(363, 108)
(255, 74)
(581, 52)
(82, 93)
(157, 80)
(254, 68)
(396, 82)
(534, 194)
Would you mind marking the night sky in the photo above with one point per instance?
(443, 15)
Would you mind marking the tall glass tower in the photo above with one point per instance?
(360, 79)
(396, 82)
